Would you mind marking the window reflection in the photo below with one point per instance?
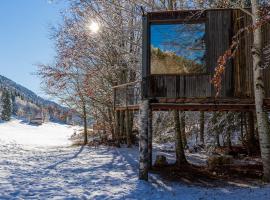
(177, 48)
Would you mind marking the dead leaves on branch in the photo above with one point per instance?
(231, 52)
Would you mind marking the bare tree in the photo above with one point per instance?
(262, 116)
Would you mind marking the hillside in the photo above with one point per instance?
(163, 62)
(26, 93)
(27, 104)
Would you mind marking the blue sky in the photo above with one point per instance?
(24, 38)
(179, 38)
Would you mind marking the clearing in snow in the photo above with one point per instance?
(52, 169)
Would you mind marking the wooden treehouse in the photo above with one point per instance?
(179, 55)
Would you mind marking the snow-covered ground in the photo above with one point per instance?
(49, 134)
(66, 172)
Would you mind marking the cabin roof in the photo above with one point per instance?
(185, 15)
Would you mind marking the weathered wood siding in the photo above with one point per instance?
(173, 86)
(266, 39)
(243, 70)
(218, 39)
(221, 25)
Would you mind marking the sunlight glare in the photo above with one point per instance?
(93, 27)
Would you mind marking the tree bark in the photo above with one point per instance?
(242, 128)
(143, 141)
(112, 129)
(229, 141)
(121, 125)
(183, 128)
(202, 121)
(214, 120)
(179, 150)
(259, 91)
(251, 134)
(117, 128)
(229, 129)
(128, 134)
(85, 141)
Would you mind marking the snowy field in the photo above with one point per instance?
(48, 134)
(51, 169)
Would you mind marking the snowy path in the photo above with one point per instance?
(48, 172)
(89, 173)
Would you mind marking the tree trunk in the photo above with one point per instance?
(143, 140)
(229, 141)
(179, 150)
(121, 125)
(242, 128)
(131, 118)
(111, 123)
(183, 128)
(117, 128)
(85, 141)
(216, 131)
(202, 121)
(128, 134)
(251, 134)
(259, 91)
(229, 120)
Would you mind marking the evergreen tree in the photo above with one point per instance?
(6, 106)
(14, 105)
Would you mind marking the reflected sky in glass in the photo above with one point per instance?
(186, 40)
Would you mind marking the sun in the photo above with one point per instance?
(93, 27)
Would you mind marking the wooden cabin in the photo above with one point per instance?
(180, 54)
(37, 119)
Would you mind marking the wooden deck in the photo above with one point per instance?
(219, 105)
(128, 97)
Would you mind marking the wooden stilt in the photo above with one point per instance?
(150, 137)
(143, 140)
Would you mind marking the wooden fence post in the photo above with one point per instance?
(143, 140)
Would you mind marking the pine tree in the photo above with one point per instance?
(14, 105)
(6, 106)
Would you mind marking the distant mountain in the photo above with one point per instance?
(26, 103)
(27, 94)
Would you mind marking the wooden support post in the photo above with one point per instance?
(128, 129)
(150, 137)
(143, 140)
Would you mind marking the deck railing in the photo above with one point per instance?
(127, 95)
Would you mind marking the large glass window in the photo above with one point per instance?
(178, 48)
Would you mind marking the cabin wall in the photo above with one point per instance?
(243, 63)
(266, 41)
(217, 42)
(221, 26)
(173, 86)
(243, 70)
